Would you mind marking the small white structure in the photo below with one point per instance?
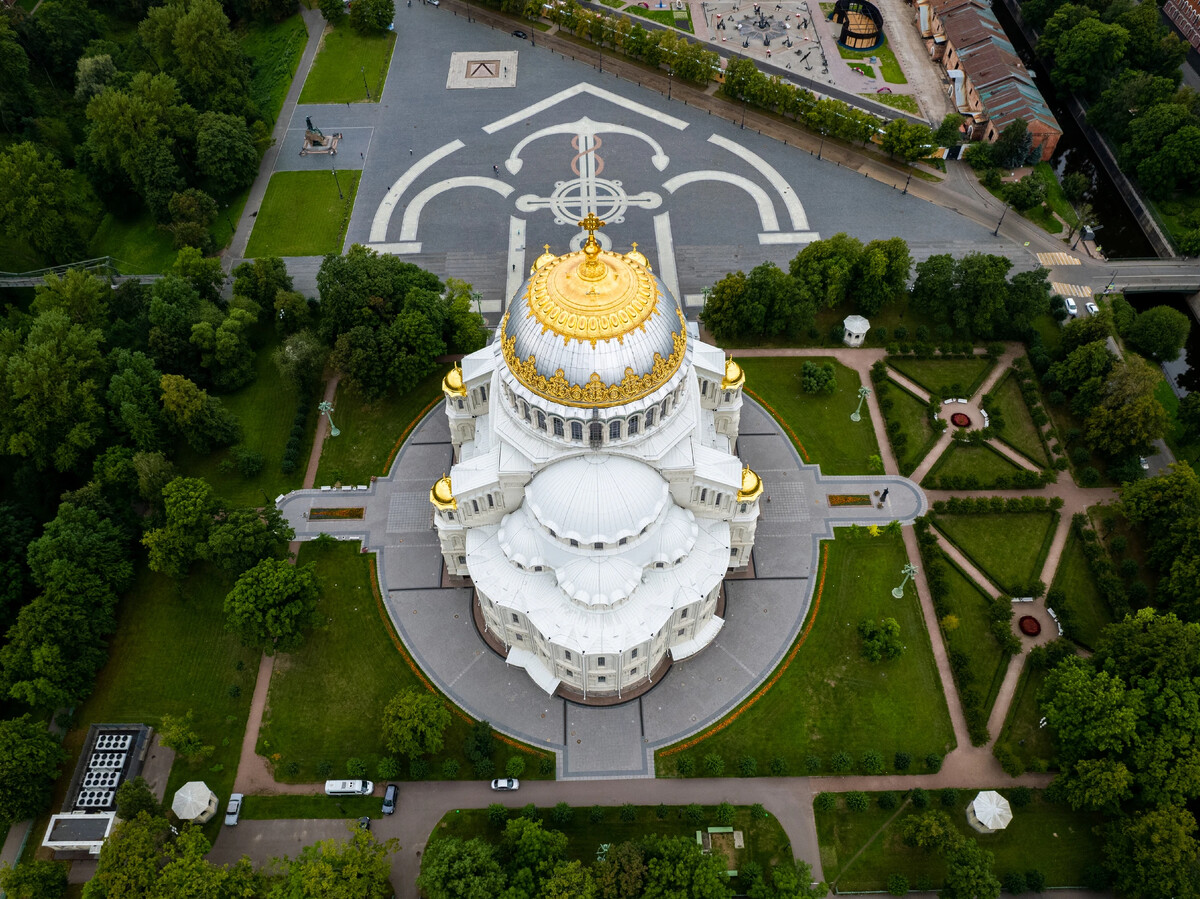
(989, 812)
(195, 802)
(856, 328)
(79, 831)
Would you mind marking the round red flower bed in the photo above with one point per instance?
(960, 420)
(1029, 626)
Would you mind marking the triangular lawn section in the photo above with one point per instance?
(1009, 547)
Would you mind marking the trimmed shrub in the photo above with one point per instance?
(948, 796)
(871, 762)
(747, 766)
(628, 812)
(562, 813)
(888, 801)
(497, 815)
(1014, 882)
(661, 811)
(725, 814)
(1019, 797)
(758, 812)
(387, 769)
(450, 769)
(686, 766)
(515, 766)
(897, 884)
(418, 769)
(841, 763)
(857, 801)
(825, 802)
(356, 768)
(693, 813)
(919, 798)
(546, 766)
(595, 814)
(933, 762)
(778, 767)
(714, 764)
(902, 762)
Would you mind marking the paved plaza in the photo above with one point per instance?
(763, 614)
(484, 147)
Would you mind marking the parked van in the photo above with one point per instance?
(349, 788)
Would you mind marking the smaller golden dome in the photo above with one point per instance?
(543, 259)
(452, 384)
(752, 486)
(635, 255)
(441, 494)
(734, 376)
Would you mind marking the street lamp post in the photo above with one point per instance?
(670, 75)
(705, 292)
(863, 393)
(996, 233)
(821, 145)
(337, 182)
(908, 571)
(743, 110)
(327, 407)
(906, 183)
(478, 298)
(363, 70)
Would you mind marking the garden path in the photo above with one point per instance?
(253, 774)
(1012, 455)
(908, 384)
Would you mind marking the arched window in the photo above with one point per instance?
(650, 416)
(704, 494)
(703, 388)
(614, 430)
(525, 410)
(728, 395)
(491, 502)
(541, 420)
(633, 426)
(717, 501)
(475, 504)
(576, 430)
(558, 427)
(597, 432)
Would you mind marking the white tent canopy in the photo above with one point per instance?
(195, 802)
(989, 812)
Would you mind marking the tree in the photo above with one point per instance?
(678, 870)
(189, 507)
(1153, 853)
(1128, 416)
(81, 296)
(949, 133)
(817, 379)
(79, 542)
(881, 639)
(48, 387)
(1075, 185)
(932, 831)
(824, 270)
(568, 880)
(727, 314)
(969, 874)
(193, 42)
(372, 16)
(1189, 416)
(300, 359)
(41, 202)
(981, 293)
(92, 75)
(1173, 165)
(1027, 193)
(1014, 145)
(1160, 333)
(882, 275)
(333, 11)
(261, 280)
(273, 604)
(192, 212)
(16, 93)
(34, 879)
(529, 853)
(134, 797)
(1152, 47)
(1089, 362)
(787, 313)
(197, 417)
(460, 869)
(933, 288)
(133, 400)
(1027, 297)
(176, 733)
(621, 872)
(225, 152)
(908, 140)
(414, 723)
(1086, 51)
(30, 759)
(57, 35)
(225, 348)
(1130, 93)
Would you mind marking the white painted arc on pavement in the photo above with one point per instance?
(516, 260)
(383, 214)
(766, 209)
(666, 252)
(412, 212)
(586, 126)
(584, 88)
(771, 238)
(794, 207)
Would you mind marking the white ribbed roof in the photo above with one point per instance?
(597, 497)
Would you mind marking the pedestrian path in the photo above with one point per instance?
(1012, 455)
(1052, 259)
(1062, 288)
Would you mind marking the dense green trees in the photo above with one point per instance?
(41, 201)
(1168, 508)
(1160, 332)
(413, 723)
(972, 295)
(273, 604)
(29, 761)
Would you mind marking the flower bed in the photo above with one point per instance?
(1030, 626)
(960, 420)
(849, 499)
(343, 514)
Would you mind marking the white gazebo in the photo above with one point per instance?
(195, 802)
(989, 812)
(856, 328)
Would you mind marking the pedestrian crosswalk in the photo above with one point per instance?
(1052, 259)
(1070, 290)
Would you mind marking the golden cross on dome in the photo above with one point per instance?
(591, 224)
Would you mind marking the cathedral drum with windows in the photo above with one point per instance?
(596, 500)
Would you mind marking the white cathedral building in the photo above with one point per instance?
(596, 501)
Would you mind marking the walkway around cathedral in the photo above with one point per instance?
(763, 613)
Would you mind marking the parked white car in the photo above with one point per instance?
(1072, 306)
(233, 810)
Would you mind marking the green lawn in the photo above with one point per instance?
(327, 698)
(302, 214)
(962, 460)
(896, 101)
(1089, 612)
(137, 244)
(1010, 547)
(171, 654)
(913, 416)
(266, 409)
(1019, 431)
(344, 60)
(766, 841)
(1033, 745)
(949, 377)
(1175, 437)
(1049, 330)
(889, 66)
(821, 423)
(270, 808)
(274, 49)
(1055, 198)
(661, 16)
(370, 429)
(1050, 838)
(828, 698)
(973, 634)
(864, 68)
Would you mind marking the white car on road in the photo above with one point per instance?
(506, 783)
(233, 810)
(1072, 307)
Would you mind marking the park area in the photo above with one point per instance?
(1023, 732)
(1081, 599)
(826, 700)
(967, 467)
(1018, 431)
(912, 420)
(304, 214)
(944, 377)
(861, 849)
(818, 423)
(1008, 547)
(349, 67)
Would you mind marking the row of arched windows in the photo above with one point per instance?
(596, 431)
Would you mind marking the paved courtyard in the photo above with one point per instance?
(763, 614)
(485, 147)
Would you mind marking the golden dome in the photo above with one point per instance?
(635, 255)
(543, 259)
(752, 486)
(734, 376)
(592, 294)
(452, 384)
(441, 494)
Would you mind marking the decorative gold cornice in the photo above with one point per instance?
(633, 386)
